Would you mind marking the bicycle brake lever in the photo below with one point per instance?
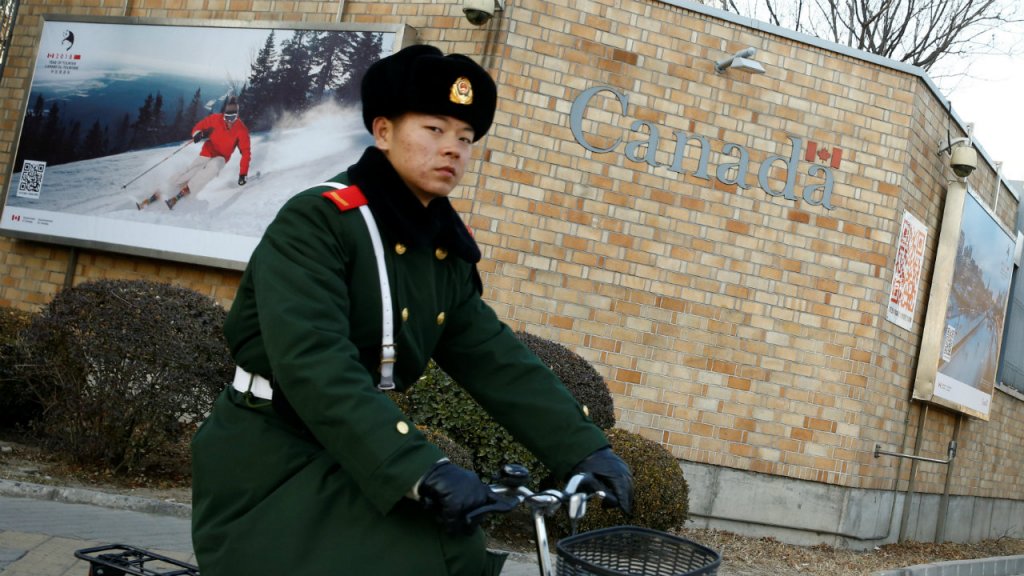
(577, 507)
(574, 483)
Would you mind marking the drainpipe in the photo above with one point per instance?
(940, 524)
(951, 453)
(69, 273)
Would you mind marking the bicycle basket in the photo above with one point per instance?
(634, 551)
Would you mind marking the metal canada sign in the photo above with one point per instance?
(646, 142)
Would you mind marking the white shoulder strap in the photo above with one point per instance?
(387, 345)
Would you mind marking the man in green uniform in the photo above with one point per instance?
(305, 467)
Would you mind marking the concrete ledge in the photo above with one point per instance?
(808, 513)
(998, 566)
(83, 496)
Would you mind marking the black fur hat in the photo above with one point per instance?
(420, 78)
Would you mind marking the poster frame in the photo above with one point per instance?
(928, 384)
(404, 35)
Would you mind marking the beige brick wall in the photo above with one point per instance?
(737, 328)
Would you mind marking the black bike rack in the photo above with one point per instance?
(124, 560)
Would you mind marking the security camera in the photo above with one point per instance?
(963, 159)
(479, 12)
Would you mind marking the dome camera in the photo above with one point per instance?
(963, 160)
(479, 12)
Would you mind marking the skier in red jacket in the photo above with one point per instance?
(224, 133)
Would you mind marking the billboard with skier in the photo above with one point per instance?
(181, 141)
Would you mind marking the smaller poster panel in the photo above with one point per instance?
(906, 277)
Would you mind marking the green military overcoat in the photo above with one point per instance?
(315, 482)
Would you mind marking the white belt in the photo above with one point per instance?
(255, 384)
(260, 386)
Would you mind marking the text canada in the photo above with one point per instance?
(645, 149)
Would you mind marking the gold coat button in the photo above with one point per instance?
(586, 411)
(402, 427)
(440, 318)
(400, 248)
(441, 253)
(405, 314)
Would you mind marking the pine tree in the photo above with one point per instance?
(123, 136)
(259, 98)
(192, 113)
(70, 147)
(327, 50)
(142, 123)
(362, 50)
(52, 137)
(177, 126)
(294, 74)
(155, 128)
(28, 145)
(93, 145)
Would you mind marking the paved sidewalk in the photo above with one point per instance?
(42, 526)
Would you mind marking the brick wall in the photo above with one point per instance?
(737, 328)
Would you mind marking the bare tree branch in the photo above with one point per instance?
(772, 17)
(919, 32)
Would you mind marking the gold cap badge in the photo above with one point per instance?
(462, 91)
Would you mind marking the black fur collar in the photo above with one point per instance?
(403, 216)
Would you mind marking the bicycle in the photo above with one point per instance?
(616, 551)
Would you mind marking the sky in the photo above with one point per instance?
(991, 97)
(214, 53)
(985, 90)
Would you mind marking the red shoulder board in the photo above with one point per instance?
(346, 198)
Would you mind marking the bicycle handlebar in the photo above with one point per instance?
(510, 491)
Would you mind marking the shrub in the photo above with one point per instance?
(124, 371)
(456, 453)
(661, 494)
(438, 402)
(18, 406)
(582, 380)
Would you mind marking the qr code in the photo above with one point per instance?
(31, 182)
(947, 343)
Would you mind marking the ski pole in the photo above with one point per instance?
(166, 158)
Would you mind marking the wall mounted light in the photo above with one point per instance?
(742, 60)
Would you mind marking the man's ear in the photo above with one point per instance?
(383, 130)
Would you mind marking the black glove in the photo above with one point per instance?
(451, 492)
(609, 473)
(241, 179)
(197, 137)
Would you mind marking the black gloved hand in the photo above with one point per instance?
(451, 492)
(241, 179)
(609, 473)
(197, 137)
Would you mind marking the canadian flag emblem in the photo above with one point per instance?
(16, 217)
(814, 154)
